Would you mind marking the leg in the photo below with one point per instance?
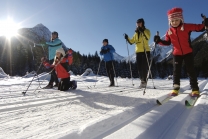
(177, 64)
(112, 73)
(108, 66)
(139, 64)
(145, 66)
(64, 84)
(53, 75)
(189, 62)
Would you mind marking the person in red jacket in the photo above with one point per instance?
(179, 35)
(60, 65)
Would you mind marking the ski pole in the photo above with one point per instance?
(129, 63)
(149, 70)
(48, 72)
(98, 71)
(147, 60)
(24, 92)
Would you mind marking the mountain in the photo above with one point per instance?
(19, 54)
(160, 53)
(117, 57)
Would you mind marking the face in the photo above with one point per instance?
(175, 22)
(139, 24)
(58, 55)
(53, 36)
(105, 43)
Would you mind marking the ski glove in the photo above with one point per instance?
(104, 51)
(126, 36)
(206, 22)
(43, 59)
(157, 39)
(141, 29)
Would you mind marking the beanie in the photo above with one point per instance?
(175, 13)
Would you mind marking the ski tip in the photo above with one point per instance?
(187, 103)
(23, 93)
(158, 102)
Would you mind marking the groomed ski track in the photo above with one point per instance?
(118, 112)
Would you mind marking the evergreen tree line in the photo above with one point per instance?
(18, 57)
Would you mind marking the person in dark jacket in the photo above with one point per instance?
(107, 53)
(179, 35)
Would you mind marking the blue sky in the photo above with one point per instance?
(83, 24)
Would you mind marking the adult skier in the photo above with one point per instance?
(107, 53)
(141, 38)
(53, 45)
(179, 35)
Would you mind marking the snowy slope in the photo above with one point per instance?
(117, 57)
(160, 53)
(99, 111)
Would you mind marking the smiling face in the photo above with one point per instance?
(175, 22)
(53, 36)
(58, 55)
(139, 24)
(105, 43)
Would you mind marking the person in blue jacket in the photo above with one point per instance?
(53, 45)
(107, 53)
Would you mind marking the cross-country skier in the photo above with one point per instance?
(61, 62)
(141, 38)
(107, 52)
(179, 35)
(53, 45)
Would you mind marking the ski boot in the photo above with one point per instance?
(143, 84)
(175, 90)
(49, 86)
(74, 84)
(195, 93)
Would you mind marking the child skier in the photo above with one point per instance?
(141, 38)
(107, 52)
(61, 62)
(179, 35)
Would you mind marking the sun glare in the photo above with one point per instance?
(8, 28)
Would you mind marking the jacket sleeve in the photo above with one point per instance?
(101, 50)
(64, 47)
(132, 40)
(196, 27)
(112, 50)
(167, 40)
(54, 43)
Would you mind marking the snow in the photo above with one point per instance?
(98, 111)
(88, 72)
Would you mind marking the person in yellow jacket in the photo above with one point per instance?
(140, 39)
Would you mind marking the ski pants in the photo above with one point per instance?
(54, 77)
(142, 64)
(110, 72)
(64, 84)
(189, 64)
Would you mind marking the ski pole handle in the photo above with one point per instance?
(204, 17)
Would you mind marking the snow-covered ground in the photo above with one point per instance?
(97, 111)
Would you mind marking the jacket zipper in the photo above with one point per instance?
(179, 40)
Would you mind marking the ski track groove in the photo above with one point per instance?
(181, 112)
(54, 99)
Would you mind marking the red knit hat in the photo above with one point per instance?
(175, 13)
